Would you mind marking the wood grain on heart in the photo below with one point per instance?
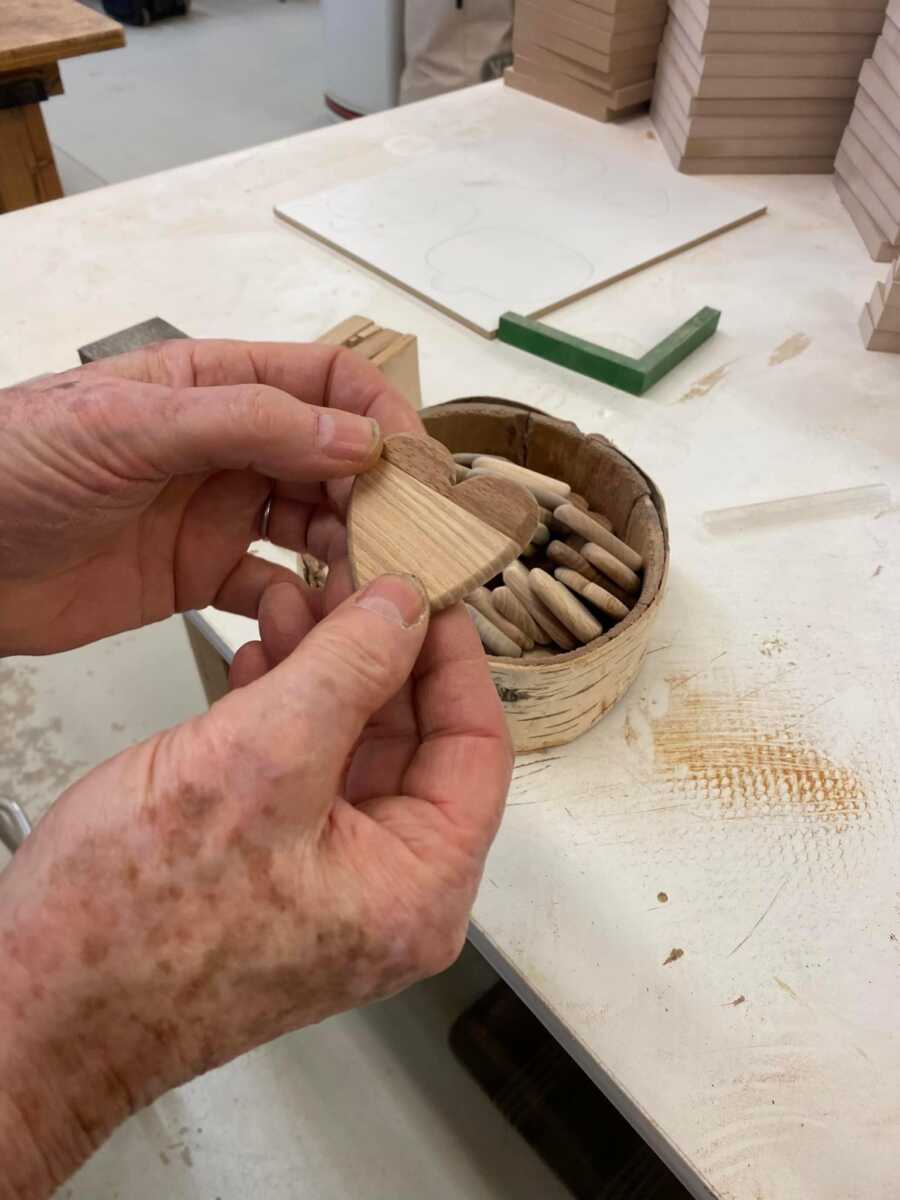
(407, 515)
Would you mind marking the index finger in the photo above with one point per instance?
(326, 376)
(464, 762)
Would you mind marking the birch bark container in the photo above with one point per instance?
(551, 701)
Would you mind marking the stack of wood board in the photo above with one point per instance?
(760, 86)
(596, 57)
(867, 168)
(880, 320)
(395, 354)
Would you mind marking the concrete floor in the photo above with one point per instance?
(230, 74)
(370, 1105)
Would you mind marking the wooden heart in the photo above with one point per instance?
(407, 515)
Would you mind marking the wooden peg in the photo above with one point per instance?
(565, 606)
(509, 606)
(598, 596)
(545, 515)
(516, 577)
(492, 639)
(601, 519)
(524, 475)
(566, 556)
(481, 600)
(466, 458)
(609, 565)
(545, 496)
(460, 472)
(541, 535)
(579, 522)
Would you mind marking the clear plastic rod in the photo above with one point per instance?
(848, 502)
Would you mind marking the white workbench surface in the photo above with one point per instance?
(751, 773)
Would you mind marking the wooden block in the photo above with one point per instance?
(762, 107)
(885, 193)
(891, 288)
(481, 600)
(878, 246)
(888, 62)
(28, 172)
(592, 531)
(549, 40)
(395, 354)
(598, 596)
(511, 608)
(622, 21)
(791, 18)
(516, 578)
(891, 35)
(493, 640)
(407, 517)
(887, 97)
(885, 320)
(532, 19)
(734, 80)
(690, 146)
(581, 98)
(565, 606)
(399, 364)
(881, 125)
(551, 61)
(873, 339)
(881, 150)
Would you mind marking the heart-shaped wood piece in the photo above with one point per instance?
(408, 516)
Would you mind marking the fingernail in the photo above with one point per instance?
(399, 599)
(346, 436)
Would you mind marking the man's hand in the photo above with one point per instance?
(130, 489)
(312, 843)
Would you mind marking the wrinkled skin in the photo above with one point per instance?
(312, 843)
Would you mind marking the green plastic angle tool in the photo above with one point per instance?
(634, 375)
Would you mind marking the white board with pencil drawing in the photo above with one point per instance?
(487, 218)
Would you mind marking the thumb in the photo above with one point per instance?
(308, 713)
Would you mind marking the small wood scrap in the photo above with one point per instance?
(879, 322)
(633, 375)
(407, 515)
(395, 354)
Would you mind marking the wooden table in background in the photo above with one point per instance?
(34, 36)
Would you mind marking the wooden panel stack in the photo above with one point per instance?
(596, 57)
(867, 168)
(880, 320)
(760, 86)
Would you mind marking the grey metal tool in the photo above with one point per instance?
(14, 825)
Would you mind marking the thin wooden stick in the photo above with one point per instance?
(491, 638)
(597, 595)
(513, 610)
(579, 522)
(565, 606)
(481, 600)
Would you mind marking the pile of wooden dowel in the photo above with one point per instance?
(574, 580)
